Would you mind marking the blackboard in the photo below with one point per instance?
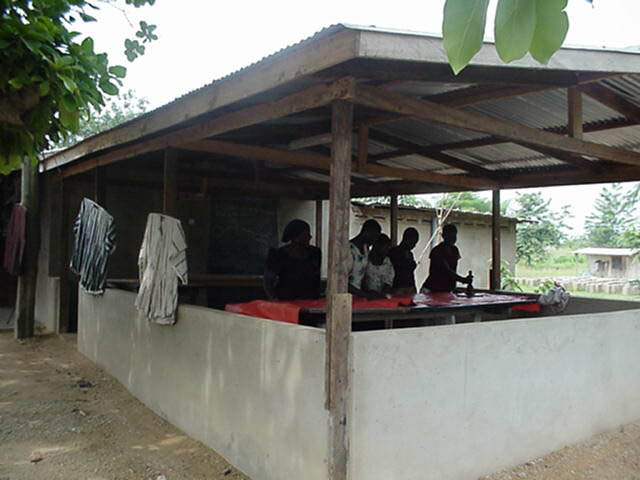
(242, 231)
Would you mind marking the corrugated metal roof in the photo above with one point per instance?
(546, 109)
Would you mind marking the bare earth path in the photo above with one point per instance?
(61, 417)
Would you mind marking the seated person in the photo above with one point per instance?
(359, 258)
(444, 262)
(378, 276)
(293, 271)
(404, 264)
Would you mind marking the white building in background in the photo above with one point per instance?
(612, 262)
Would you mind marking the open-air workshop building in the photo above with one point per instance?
(354, 112)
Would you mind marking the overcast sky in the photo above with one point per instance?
(203, 40)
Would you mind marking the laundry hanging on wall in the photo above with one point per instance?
(94, 240)
(162, 262)
(15, 241)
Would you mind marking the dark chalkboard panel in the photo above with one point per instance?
(242, 231)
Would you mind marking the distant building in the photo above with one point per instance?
(612, 262)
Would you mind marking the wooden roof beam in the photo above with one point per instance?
(610, 99)
(564, 176)
(297, 102)
(323, 162)
(402, 104)
(562, 130)
(414, 149)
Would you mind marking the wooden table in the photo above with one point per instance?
(482, 302)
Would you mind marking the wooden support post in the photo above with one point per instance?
(339, 301)
(100, 186)
(66, 285)
(170, 183)
(574, 107)
(394, 220)
(319, 223)
(26, 296)
(363, 147)
(495, 280)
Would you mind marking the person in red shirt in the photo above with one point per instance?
(444, 263)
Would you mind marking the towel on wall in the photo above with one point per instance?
(94, 240)
(162, 262)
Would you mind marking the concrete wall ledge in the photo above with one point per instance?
(251, 389)
(462, 401)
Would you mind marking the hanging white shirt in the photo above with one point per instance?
(162, 262)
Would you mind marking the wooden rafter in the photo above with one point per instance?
(612, 100)
(322, 162)
(414, 149)
(294, 103)
(561, 130)
(375, 98)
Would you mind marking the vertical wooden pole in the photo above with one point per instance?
(363, 147)
(26, 296)
(339, 301)
(170, 183)
(66, 243)
(495, 280)
(100, 186)
(574, 108)
(394, 220)
(319, 221)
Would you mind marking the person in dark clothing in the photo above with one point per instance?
(404, 264)
(444, 263)
(293, 271)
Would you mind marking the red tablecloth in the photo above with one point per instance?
(288, 311)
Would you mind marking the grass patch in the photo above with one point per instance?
(558, 263)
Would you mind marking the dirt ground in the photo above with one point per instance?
(61, 417)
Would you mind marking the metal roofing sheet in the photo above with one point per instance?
(542, 110)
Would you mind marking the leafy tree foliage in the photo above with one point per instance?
(408, 200)
(545, 227)
(469, 202)
(613, 215)
(117, 110)
(535, 26)
(49, 80)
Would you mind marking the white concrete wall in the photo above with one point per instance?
(251, 389)
(458, 402)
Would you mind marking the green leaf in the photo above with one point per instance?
(551, 29)
(87, 18)
(118, 70)
(68, 82)
(514, 28)
(87, 45)
(15, 83)
(108, 87)
(44, 88)
(463, 30)
(66, 118)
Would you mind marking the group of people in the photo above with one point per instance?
(376, 268)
